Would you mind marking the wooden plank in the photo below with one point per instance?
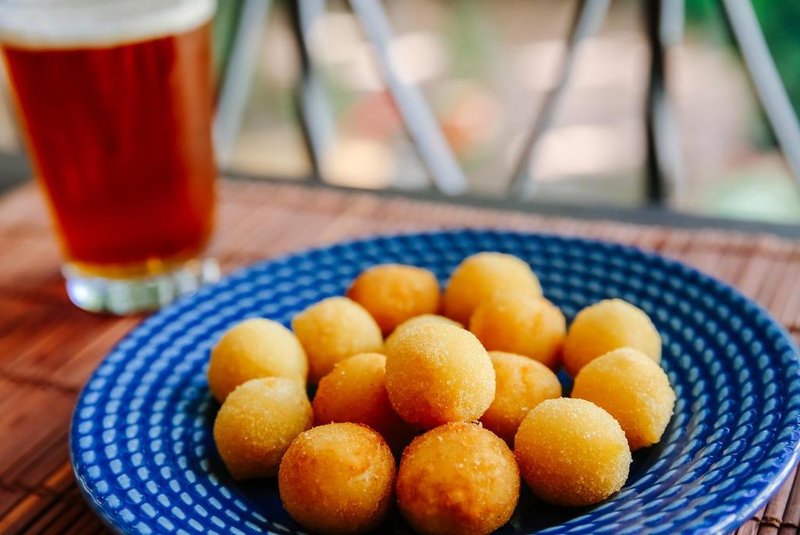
(776, 507)
(34, 272)
(791, 515)
(788, 309)
(75, 368)
(9, 498)
(59, 346)
(85, 523)
(748, 528)
(757, 517)
(43, 459)
(35, 416)
(26, 512)
(755, 277)
(16, 313)
(23, 211)
(732, 266)
(61, 479)
(56, 518)
(708, 254)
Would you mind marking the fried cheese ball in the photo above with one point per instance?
(355, 391)
(437, 373)
(482, 276)
(523, 324)
(257, 422)
(522, 384)
(607, 325)
(337, 478)
(572, 452)
(633, 389)
(418, 320)
(332, 330)
(393, 293)
(457, 479)
(254, 348)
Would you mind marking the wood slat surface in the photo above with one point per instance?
(48, 348)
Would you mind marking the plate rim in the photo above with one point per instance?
(724, 524)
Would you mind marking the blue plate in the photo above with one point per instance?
(141, 439)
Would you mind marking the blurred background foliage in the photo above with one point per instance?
(756, 193)
(485, 67)
(779, 21)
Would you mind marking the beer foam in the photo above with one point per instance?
(97, 23)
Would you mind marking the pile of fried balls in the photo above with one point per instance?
(468, 400)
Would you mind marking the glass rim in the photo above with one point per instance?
(97, 23)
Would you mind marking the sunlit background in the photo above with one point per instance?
(485, 67)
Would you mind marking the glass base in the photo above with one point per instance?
(129, 296)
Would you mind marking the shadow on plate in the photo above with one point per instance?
(531, 514)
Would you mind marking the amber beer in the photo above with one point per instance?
(116, 107)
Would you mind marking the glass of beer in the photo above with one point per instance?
(115, 100)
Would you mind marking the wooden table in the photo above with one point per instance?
(48, 348)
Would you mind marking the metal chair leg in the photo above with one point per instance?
(316, 116)
(744, 26)
(236, 81)
(665, 169)
(589, 15)
(417, 116)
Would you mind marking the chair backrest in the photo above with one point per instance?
(664, 20)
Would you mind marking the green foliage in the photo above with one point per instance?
(224, 28)
(779, 21)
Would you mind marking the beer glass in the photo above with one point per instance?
(115, 101)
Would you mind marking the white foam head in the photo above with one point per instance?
(97, 23)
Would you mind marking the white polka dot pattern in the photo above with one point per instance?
(141, 438)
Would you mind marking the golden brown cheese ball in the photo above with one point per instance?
(572, 452)
(482, 276)
(337, 478)
(522, 324)
(457, 478)
(522, 384)
(607, 325)
(332, 330)
(257, 422)
(437, 373)
(633, 389)
(254, 348)
(418, 320)
(393, 293)
(355, 391)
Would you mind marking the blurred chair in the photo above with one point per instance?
(664, 21)
(240, 24)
